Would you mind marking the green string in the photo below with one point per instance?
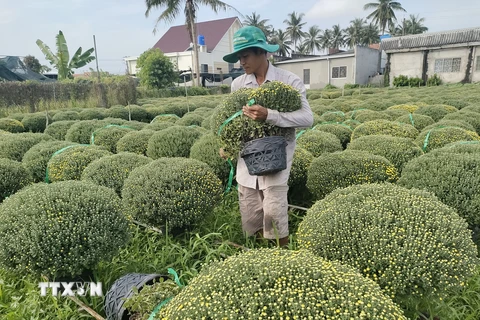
(300, 134)
(228, 120)
(47, 176)
(164, 302)
(92, 138)
(165, 115)
(411, 120)
(425, 142)
(230, 176)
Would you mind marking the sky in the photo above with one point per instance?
(121, 28)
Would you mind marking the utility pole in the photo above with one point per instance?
(96, 58)
(103, 94)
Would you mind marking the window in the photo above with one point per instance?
(448, 65)
(339, 72)
(478, 63)
(230, 67)
(306, 76)
(204, 68)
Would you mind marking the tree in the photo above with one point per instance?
(156, 69)
(190, 7)
(33, 64)
(313, 39)
(295, 25)
(255, 21)
(338, 38)
(302, 48)
(370, 35)
(354, 33)
(414, 25)
(384, 13)
(326, 39)
(61, 61)
(281, 38)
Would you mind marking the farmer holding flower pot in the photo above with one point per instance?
(263, 199)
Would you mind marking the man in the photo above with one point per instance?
(263, 199)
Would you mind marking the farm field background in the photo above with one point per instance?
(157, 163)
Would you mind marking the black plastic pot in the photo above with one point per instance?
(122, 289)
(265, 155)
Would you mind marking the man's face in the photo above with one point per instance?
(249, 61)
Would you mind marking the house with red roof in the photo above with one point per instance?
(215, 39)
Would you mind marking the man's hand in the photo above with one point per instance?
(222, 154)
(256, 112)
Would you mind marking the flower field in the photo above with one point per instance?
(384, 222)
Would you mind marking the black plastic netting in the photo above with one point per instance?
(13, 69)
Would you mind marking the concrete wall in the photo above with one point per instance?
(367, 63)
(350, 64)
(406, 63)
(476, 65)
(449, 77)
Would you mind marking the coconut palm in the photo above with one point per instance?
(302, 48)
(295, 25)
(326, 39)
(338, 37)
(313, 39)
(384, 12)
(282, 39)
(255, 21)
(370, 35)
(190, 8)
(415, 25)
(354, 32)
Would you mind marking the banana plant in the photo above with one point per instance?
(61, 61)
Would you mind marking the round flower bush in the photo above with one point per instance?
(206, 149)
(385, 127)
(70, 162)
(66, 115)
(418, 121)
(36, 158)
(341, 131)
(13, 177)
(158, 125)
(368, 115)
(59, 129)
(441, 136)
(436, 112)
(11, 125)
(320, 109)
(332, 116)
(14, 146)
(118, 112)
(408, 241)
(60, 229)
(135, 141)
(280, 284)
(166, 118)
(451, 176)
(171, 192)
(397, 150)
(297, 181)
(352, 123)
(175, 141)
(36, 122)
(17, 116)
(342, 169)
(319, 142)
(411, 108)
(91, 114)
(471, 118)
(137, 113)
(395, 113)
(81, 132)
(461, 147)
(108, 136)
(111, 171)
(190, 119)
(471, 108)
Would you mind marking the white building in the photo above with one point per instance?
(356, 66)
(453, 55)
(215, 40)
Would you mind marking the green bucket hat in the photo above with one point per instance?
(249, 37)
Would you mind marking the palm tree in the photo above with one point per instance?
(370, 35)
(313, 39)
(255, 21)
(302, 48)
(190, 7)
(354, 33)
(295, 26)
(281, 38)
(338, 38)
(384, 12)
(326, 39)
(415, 25)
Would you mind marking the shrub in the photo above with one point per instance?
(341, 131)
(450, 123)
(418, 121)
(13, 177)
(137, 113)
(17, 116)
(333, 116)
(206, 149)
(411, 108)
(14, 146)
(415, 82)
(175, 141)
(91, 114)
(369, 115)
(158, 125)
(439, 137)
(111, 171)
(434, 80)
(342, 169)
(385, 127)
(471, 118)
(280, 284)
(436, 112)
(321, 109)
(108, 136)
(171, 192)
(166, 118)
(409, 242)
(36, 122)
(319, 142)
(66, 115)
(397, 150)
(190, 119)
(472, 108)
(59, 129)
(11, 125)
(70, 163)
(118, 112)
(461, 147)
(81, 132)
(401, 81)
(60, 229)
(451, 176)
(352, 124)
(297, 181)
(135, 125)
(135, 141)
(35, 160)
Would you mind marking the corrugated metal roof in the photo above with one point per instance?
(427, 40)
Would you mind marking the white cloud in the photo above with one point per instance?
(335, 8)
